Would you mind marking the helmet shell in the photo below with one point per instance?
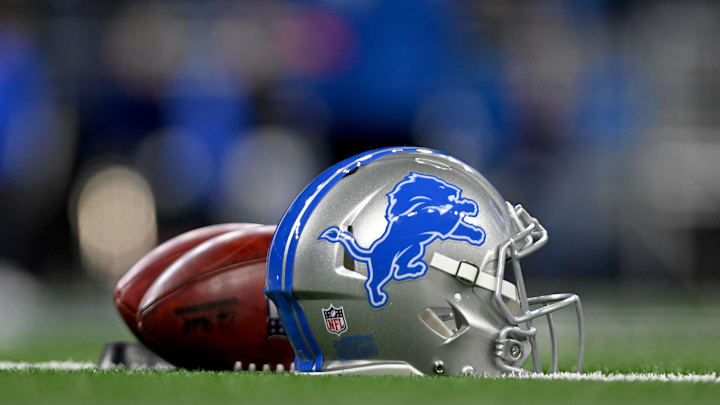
(395, 209)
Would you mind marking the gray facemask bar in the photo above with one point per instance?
(531, 237)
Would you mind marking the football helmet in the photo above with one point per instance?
(393, 262)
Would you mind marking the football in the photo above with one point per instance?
(133, 285)
(208, 309)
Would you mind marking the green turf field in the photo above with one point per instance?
(676, 334)
(210, 388)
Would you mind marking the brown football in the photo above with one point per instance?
(208, 309)
(133, 285)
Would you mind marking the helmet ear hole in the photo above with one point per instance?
(445, 321)
(432, 320)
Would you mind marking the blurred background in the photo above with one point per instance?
(125, 123)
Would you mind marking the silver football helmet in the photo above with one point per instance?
(393, 262)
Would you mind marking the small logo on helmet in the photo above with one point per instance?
(421, 209)
(335, 321)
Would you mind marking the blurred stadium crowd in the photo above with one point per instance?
(125, 123)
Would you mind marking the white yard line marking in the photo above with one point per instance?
(595, 376)
(49, 365)
(617, 377)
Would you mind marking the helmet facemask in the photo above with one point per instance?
(530, 238)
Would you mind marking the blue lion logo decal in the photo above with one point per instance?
(421, 208)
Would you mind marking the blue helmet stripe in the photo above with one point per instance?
(281, 256)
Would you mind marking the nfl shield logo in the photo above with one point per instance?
(335, 321)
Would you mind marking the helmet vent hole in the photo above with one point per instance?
(351, 172)
(348, 262)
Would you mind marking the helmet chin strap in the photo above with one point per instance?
(531, 237)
